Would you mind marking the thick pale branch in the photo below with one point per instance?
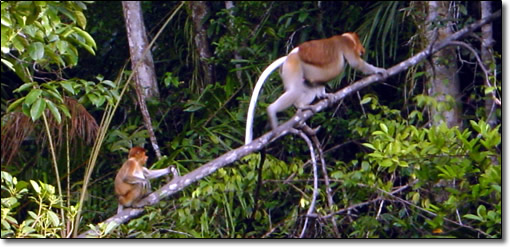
(228, 158)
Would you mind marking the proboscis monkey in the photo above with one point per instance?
(316, 61)
(132, 181)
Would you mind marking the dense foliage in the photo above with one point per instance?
(392, 173)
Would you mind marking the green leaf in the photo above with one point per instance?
(24, 87)
(54, 111)
(481, 211)
(402, 163)
(15, 104)
(383, 127)
(37, 109)
(365, 166)
(80, 19)
(489, 90)
(7, 62)
(472, 217)
(64, 109)
(36, 187)
(86, 36)
(53, 218)
(36, 50)
(475, 126)
(111, 225)
(109, 83)
(93, 98)
(386, 163)
(55, 94)
(193, 108)
(378, 132)
(33, 96)
(365, 100)
(68, 86)
(32, 214)
(368, 145)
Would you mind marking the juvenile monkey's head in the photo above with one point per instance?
(358, 47)
(139, 154)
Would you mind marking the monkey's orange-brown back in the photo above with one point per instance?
(320, 52)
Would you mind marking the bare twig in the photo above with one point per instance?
(313, 133)
(315, 178)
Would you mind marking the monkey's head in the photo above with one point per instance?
(139, 154)
(358, 47)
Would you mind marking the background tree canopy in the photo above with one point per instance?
(417, 155)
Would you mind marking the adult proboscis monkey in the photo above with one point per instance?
(317, 62)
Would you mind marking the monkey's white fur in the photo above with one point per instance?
(316, 61)
(256, 91)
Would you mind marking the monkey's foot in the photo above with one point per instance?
(383, 73)
(304, 108)
(330, 96)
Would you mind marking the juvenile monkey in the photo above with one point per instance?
(132, 180)
(316, 61)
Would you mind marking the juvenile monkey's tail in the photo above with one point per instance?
(253, 102)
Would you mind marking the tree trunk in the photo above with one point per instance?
(199, 11)
(137, 37)
(445, 81)
(229, 5)
(487, 58)
(142, 66)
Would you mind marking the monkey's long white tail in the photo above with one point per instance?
(253, 102)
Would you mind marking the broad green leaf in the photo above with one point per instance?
(368, 145)
(109, 83)
(55, 94)
(24, 87)
(475, 126)
(5, 61)
(37, 109)
(68, 86)
(54, 110)
(85, 46)
(111, 225)
(15, 104)
(36, 187)
(36, 50)
(62, 46)
(53, 218)
(33, 96)
(378, 132)
(32, 214)
(80, 19)
(386, 163)
(86, 36)
(383, 127)
(365, 100)
(473, 217)
(481, 211)
(64, 109)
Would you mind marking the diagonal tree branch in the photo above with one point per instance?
(179, 183)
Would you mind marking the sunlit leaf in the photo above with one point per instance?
(37, 109)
